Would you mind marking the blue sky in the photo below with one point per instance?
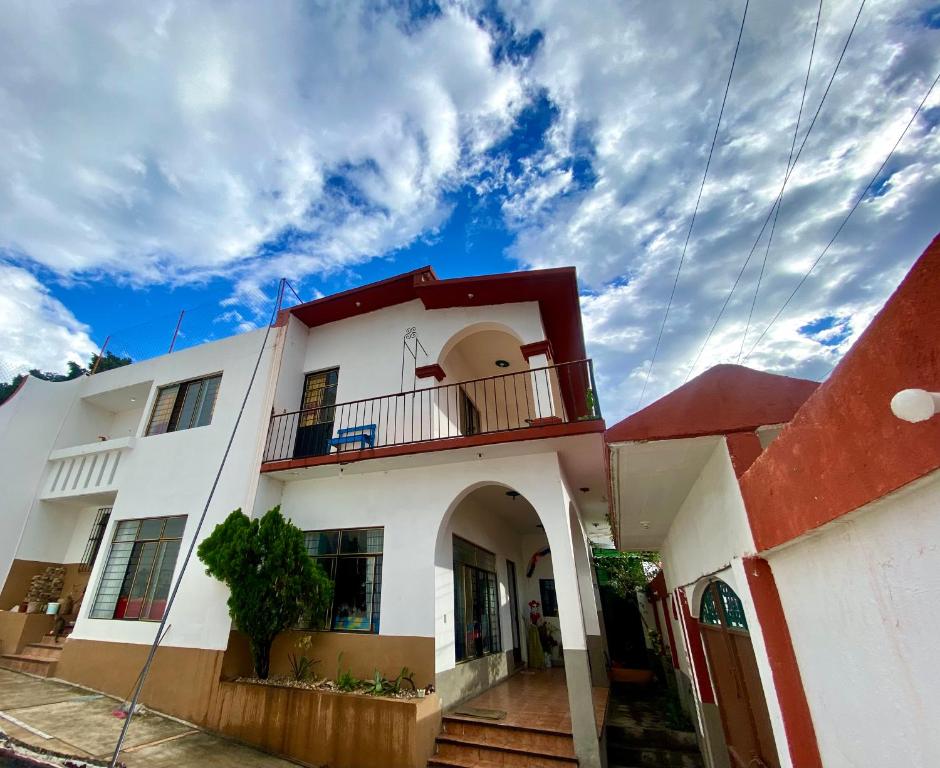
(164, 157)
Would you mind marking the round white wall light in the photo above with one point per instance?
(915, 404)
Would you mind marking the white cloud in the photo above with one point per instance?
(167, 141)
(644, 82)
(39, 332)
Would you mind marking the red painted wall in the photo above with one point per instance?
(797, 721)
(693, 636)
(844, 448)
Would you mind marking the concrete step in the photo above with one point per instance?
(639, 736)
(498, 734)
(43, 651)
(653, 757)
(54, 642)
(33, 664)
(463, 750)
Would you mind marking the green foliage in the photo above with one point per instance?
(378, 685)
(109, 361)
(625, 572)
(271, 579)
(301, 665)
(407, 676)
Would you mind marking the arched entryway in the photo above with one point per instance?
(733, 667)
(485, 578)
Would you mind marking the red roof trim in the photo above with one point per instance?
(427, 371)
(555, 290)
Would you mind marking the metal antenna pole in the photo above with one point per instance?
(176, 332)
(104, 346)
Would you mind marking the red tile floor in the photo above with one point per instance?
(537, 700)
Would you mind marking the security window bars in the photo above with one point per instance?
(352, 558)
(476, 601)
(95, 538)
(722, 607)
(549, 600)
(185, 405)
(136, 580)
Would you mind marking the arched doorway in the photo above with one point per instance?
(485, 578)
(733, 667)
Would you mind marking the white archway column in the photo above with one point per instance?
(573, 635)
(590, 603)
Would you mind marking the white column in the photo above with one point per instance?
(590, 604)
(544, 404)
(573, 636)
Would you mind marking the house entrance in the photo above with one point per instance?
(733, 666)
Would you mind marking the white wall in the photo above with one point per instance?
(171, 474)
(368, 348)
(861, 601)
(30, 422)
(711, 526)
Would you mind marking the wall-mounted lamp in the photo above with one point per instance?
(915, 404)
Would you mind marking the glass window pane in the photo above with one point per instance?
(734, 610)
(174, 527)
(162, 410)
(155, 601)
(709, 613)
(549, 599)
(321, 542)
(207, 404)
(352, 601)
(191, 395)
(362, 540)
(150, 529)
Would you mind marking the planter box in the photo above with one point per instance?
(342, 730)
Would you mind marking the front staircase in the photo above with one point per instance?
(467, 742)
(36, 658)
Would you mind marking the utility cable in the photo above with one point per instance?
(773, 226)
(799, 153)
(189, 553)
(294, 292)
(845, 220)
(698, 200)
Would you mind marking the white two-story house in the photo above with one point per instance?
(440, 443)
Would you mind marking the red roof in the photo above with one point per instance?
(555, 290)
(722, 400)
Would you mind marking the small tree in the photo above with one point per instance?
(272, 580)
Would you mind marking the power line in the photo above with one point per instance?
(698, 200)
(845, 220)
(773, 226)
(799, 153)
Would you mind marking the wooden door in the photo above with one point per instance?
(733, 667)
(315, 423)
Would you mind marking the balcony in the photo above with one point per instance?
(85, 471)
(551, 401)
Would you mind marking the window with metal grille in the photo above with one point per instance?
(352, 558)
(135, 582)
(722, 607)
(476, 601)
(184, 405)
(468, 414)
(95, 538)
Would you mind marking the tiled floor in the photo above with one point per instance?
(537, 700)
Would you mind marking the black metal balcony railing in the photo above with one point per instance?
(556, 394)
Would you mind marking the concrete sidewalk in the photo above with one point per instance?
(73, 721)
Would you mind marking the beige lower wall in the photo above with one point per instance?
(19, 629)
(362, 655)
(325, 728)
(316, 727)
(468, 678)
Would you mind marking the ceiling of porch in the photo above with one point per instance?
(650, 481)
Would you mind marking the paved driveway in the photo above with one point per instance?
(73, 721)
